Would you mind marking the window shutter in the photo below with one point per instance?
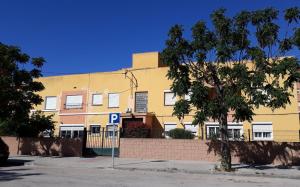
(113, 100)
(50, 103)
(141, 102)
(170, 98)
(97, 99)
(74, 101)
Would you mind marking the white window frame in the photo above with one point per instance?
(188, 96)
(95, 125)
(231, 126)
(115, 104)
(169, 124)
(263, 131)
(71, 128)
(74, 105)
(99, 100)
(194, 128)
(109, 131)
(46, 102)
(172, 102)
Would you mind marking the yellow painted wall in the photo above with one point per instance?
(151, 77)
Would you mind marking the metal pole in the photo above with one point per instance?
(113, 147)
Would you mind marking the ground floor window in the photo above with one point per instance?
(110, 131)
(234, 131)
(262, 131)
(167, 128)
(193, 128)
(71, 131)
(95, 129)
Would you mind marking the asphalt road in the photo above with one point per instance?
(55, 175)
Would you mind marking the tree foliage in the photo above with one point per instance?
(238, 64)
(18, 88)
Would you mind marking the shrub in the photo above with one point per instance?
(181, 134)
(136, 130)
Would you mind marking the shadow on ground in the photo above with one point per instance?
(13, 170)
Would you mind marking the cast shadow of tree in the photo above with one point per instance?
(13, 170)
(50, 147)
(261, 153)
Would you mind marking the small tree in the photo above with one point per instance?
(18, 87)
(237, 65)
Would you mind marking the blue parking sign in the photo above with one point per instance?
(114, 118)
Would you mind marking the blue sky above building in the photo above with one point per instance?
(90, 35)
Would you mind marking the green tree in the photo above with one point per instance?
(238, 64)
(18, 88)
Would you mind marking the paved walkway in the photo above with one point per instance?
(171, 166)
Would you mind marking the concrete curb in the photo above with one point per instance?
(175, 170)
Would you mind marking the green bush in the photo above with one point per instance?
(181, 134)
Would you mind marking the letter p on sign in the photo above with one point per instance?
(114, 118)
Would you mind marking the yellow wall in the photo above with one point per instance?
(151, 77)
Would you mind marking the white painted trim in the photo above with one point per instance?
(262, 123)
(229, 123)
(167, 90)
(86, 113)
(170, 123)
(50, 110)
(68, 125)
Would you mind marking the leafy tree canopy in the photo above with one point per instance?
(238, 64)
(18, 87)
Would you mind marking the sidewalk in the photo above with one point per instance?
(170, 166)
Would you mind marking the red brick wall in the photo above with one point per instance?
(176, 149)
(165, 149)
(43, 146)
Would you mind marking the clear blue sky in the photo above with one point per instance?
(101, 35)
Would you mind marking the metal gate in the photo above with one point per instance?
(101, 143)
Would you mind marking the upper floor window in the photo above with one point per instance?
(50, 103)
(73, 101)
(113, 100)
(188, 96)
(141, 102)
(97, 99)
(169, 98)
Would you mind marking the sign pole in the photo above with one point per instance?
(113, 147)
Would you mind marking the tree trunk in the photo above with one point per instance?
(225, 148)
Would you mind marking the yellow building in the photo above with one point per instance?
(141, 94)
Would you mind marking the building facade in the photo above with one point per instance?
(141, 94)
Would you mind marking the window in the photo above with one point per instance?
(212, 131)
(234, 131)
(110, 131)
(262, 131)
(141, 102)
(74, 101)
(193, 128)
(95, 129)
(188, 96)
(168, 127)
(50, 103)
(97, 99)
(113, 100)
(71, 131)
(169, 98)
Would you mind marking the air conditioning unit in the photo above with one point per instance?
(128, 110)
